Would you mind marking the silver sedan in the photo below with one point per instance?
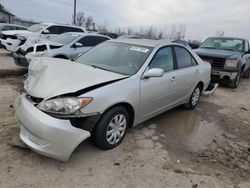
(112, 87)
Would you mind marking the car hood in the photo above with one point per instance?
(19, 32)
(51, 77)
(225, 54)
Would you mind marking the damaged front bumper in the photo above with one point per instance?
(10, 44)
(20, 60)
(210, 89)
(49, 136)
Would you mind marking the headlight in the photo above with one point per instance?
(64, 105)
(20, 37)
(39, 54)
(231, 63)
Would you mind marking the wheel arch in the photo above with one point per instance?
(130, 110)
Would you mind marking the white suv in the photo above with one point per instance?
(10, 40)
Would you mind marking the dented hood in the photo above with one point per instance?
(50, 77)
(17, 32)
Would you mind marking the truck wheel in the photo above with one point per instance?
(235, 83)
(111, 129)
(246, 74)
(195, 98)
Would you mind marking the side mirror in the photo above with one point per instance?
(77, 45)
(154, 72)
(45, 31)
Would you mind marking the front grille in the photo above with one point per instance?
(34, 99)
(216, 63)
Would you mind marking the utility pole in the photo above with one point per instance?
(74, 12)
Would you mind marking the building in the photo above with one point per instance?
(5, 16)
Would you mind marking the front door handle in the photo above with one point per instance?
(173, 78)
(197, 71)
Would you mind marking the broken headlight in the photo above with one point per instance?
(231, 63)
(64, 106)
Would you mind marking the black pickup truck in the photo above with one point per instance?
(229, 58)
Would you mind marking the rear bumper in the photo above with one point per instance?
(20, 60)
(52, 137)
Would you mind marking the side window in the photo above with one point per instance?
(163, 59)
(65, 29)
(74, 29)
(54, 30)
(183, 57)
(88, 41)
(100, 39)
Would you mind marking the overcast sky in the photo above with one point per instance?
(202, 18)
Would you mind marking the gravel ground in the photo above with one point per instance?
(205, 147)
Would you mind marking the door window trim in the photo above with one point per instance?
(175, 57)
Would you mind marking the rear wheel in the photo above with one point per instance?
(111, 129)
(195, 98)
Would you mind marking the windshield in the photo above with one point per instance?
(65, 38)
(224, 44)
(120, 58)
(37, 27)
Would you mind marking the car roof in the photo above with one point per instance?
(141, 42)
(237, 38)
(7, 24)
(87, 34)
(50, 24)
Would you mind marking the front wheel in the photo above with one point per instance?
(195, 98)
(111, 129)
(235, 83)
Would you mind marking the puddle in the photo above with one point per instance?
(185, 130)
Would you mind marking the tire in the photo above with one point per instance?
(113, 123)
(235, 83)
(246, 74)
(194, 98)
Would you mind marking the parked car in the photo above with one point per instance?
(111, 35)
(110, 88)
(34, 34)
(130, 37)
(9, 27)
(229, 58)
(65, 46)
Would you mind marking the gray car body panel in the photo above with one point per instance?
(74, 77)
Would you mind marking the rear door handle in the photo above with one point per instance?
(197, 71)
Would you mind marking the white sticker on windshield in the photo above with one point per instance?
(139, 49)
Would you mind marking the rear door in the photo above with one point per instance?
(187, 72)
(158, 94)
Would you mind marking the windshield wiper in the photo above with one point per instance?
(96, 67)
(229, 50)
(208, 47)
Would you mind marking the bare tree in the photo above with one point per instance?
(220, 33)
(89, 22)
(1, 6)
(80, 19)
(103, 27)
